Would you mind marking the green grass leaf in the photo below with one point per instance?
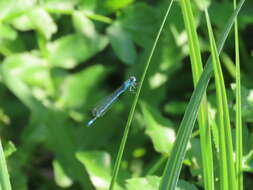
(174, 164)
(197, 69)
(227, 169)
(239, 133)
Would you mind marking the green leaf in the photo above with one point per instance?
(14, 8)
(5, 7)
(152, 183)
(74, 93)
(61, 178)
(31, 69)
(69, 50)
(98, 165)
(60, 6)
(23, 23)
(7, 32)
(122, 44)
(4, 118)
(162, 137)
(149, 183)
(115, 4)
(83, 24)
(248, 160)
(138, 22)
(36, 19)
(88, 5)
(43, 22)
(17, 86)
(9, 149)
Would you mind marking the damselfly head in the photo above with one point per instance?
(132, 79)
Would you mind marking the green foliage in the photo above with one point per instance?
(59, 58)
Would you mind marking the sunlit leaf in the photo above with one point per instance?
(70, 50)
(60, 176)
(114, 4)
(7, 32)
(152, 183)
(9, 149)
(43, 22)
(60, 6)
(98, 165)
(162, 136)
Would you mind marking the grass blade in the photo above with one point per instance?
(239, 146)
(197, 69)
(227, 169)
(130, 117)
(4, 175)
(174, 164)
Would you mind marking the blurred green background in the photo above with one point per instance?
(58, 58)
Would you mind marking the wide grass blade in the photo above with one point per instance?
(239, 134)
(197, 69)
(174, 164)
(4, 175)
(130, 117)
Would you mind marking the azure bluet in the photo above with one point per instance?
(102, 107)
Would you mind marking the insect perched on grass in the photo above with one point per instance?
(102, 107)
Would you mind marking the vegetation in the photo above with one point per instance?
(188, 126)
